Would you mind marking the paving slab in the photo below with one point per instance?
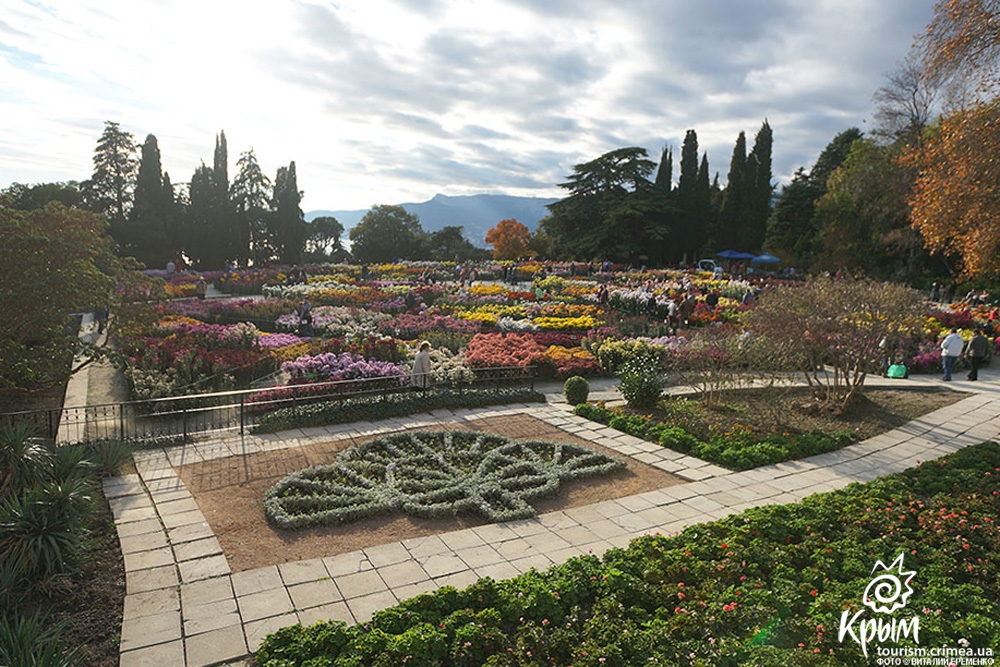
(215, 646)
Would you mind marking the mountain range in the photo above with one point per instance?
(477, 214)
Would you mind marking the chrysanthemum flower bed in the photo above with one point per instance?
(432, 475)
(766, 587)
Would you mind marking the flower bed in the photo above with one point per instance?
(431, 475)
(766, 587)
(738, 448)
(487, 350)
(344, 366)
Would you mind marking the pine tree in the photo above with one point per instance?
(109, 190)
(250, 195)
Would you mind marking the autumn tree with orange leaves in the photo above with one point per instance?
(956, 197)
(509, 239)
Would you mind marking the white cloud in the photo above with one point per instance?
(396, 100)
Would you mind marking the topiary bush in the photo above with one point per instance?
(576, 389)
(641, 382)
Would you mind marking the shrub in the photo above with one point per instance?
(641, 382)
(576, 389)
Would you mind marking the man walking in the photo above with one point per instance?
(977, 352)
(951, 350)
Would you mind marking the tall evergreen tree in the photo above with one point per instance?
(707, 212)
(148, 234)
(251, 195)
(288, 225)
(687, 230)
(735, 202)
(109, 190)
(759, 191)
(665, 172)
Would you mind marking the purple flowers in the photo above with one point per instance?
(343, 366)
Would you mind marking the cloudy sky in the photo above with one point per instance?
(390, 101)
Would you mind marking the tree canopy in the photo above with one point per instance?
(54, 261)
(386, 233)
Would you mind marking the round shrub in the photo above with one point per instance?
(641, 382)
(576, 389)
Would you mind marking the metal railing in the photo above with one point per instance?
(182, 416)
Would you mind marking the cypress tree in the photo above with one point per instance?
(146, 236)
(735, 201)
(759, 189)
(688, 218)
(288, 226)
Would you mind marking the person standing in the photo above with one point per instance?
(977, 351)
(201, 287)
(951, 350)
(420, 377)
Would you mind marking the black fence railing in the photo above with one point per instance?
(228, 410)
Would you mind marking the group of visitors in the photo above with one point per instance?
(954, 347)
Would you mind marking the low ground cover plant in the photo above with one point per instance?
(738, 447)
(765, 587)
(432, 475)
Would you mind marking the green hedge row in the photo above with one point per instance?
(766, 587)
(736, 449)
(385, 406)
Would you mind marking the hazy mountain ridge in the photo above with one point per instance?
(476, 213)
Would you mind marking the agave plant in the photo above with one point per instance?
(30, 641)
(24, 460)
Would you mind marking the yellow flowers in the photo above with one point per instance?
(567, 323)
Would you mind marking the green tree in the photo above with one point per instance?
(449, 243)
(689, 232)
(386, 233)
(54, 261)
(250, 195)
(323, 240)
(150, 233)
(288, 224)
(109, 190)
(736, 201)
(610, 211)
(759, 191)
(796, 227)
(864, 218)
(29, 197)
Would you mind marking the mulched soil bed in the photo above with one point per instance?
(230, 492)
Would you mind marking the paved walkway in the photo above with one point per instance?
(184, 606)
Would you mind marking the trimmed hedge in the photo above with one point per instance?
(385, 406)
(764, 588)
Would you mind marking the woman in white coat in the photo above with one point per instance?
(420, 377)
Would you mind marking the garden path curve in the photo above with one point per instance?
(184, 605)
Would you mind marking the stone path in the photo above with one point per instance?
(185, 607)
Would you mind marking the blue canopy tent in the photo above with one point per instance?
(766, 258)
(733, 254)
